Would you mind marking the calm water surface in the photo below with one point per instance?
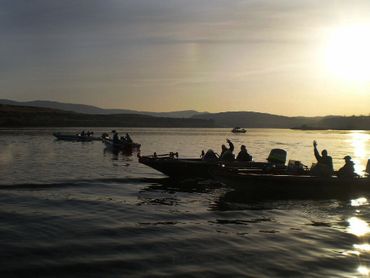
(71, 209)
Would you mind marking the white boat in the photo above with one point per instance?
(238, 130)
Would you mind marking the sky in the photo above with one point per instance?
(284, 57)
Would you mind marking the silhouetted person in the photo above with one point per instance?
(324, 166)
(227, 153)
(128, 138)
(115, 137)
(243, 155)
(348, 170)
(210, 155)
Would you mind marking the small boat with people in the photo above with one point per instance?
(80, 137)
(175, 167)
(271, 178)
(289, 184)
(119, 143)
(238, 130)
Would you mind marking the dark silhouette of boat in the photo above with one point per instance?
(120, 145)
(182, 168)
(238, 130)
(76, 137)
(270, 185)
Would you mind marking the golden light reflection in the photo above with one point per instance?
(359, 202)
(363, 270)
(358, 226)
(362, 247)
(359, 141)
(350, 253)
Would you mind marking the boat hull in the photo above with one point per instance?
(190, 168)
(283, 186)
(238, 130)
(72, 137)
(120, 146)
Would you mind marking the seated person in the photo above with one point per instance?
(324, 165)
(348, 170)
(243, 155)
(210, 155)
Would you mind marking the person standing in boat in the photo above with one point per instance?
(243, 155)
(348, 170)
(324, 165)
(227, 153)
(115, 137)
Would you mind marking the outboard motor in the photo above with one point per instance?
(277, 156)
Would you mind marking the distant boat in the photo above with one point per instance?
(238, 130)
(120, 145)
(75, 137)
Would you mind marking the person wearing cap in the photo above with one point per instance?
(243, 155)
(348, 170)
(324, 165)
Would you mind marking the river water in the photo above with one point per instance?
(73, 209)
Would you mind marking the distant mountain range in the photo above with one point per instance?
(264, 120)
(89, 109)
(49, 113)
(29, 116)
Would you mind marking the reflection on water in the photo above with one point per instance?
(362, 247)
(362, 201)
(361, 229)
(358, 227)
(360, 141)
(363, 270)
(75, 207)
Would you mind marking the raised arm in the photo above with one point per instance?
(231, 145)
(316, 152)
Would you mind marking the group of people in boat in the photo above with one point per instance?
(123, 139)
(87, 133)
(227, 153)
(323, 167)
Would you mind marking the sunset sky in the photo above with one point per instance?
(283, 57)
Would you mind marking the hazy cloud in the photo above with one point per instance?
(69, 49)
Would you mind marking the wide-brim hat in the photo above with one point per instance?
(347, 157)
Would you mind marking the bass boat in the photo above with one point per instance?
(181, 168)
(289, 184)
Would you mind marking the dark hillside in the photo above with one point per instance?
(22, 116)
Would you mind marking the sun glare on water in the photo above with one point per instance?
(347, 52)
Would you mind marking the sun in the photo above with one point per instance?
(347, 52)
